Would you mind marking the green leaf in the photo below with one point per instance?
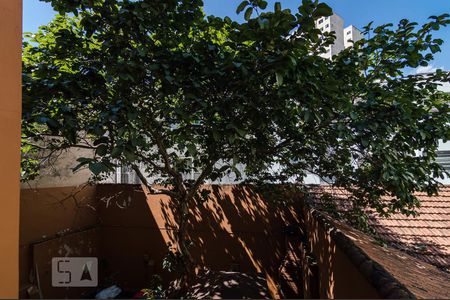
(237, 64)
(216, 135)
(130, 156)
(248, 13)
(277, 6)
(410, 48)
(435, 48)
(279, 76)
(101, 150)
(192, 149)
(52, 124)
(241, 132)
(132, 115)
(236, 172)
(83, 161)
(138, 141)
(263, 4)
(323, 10)
(116, 152)
(98, 167)
(102, 140)
(242, 6)
(365, 142)
(263, 23)
(307, 115)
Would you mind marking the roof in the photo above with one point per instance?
(420, 279)
(425, 236)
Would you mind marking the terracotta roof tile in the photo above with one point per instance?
(425, 236)
(393, 272)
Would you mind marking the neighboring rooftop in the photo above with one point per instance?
(376, 262)
(426, 236)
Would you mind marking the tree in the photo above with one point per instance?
(153, 82)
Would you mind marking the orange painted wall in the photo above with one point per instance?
(238, 230)
(49, 219)
(338, 276)
(235, 228)
(10, 115)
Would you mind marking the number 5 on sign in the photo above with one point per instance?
(74, 271)
(61, 271)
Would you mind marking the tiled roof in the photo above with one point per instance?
(425, 236)
(422, 280)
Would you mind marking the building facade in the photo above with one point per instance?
(351, 35)
(345, 37)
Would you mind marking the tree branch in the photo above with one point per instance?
(200, 179)
(148, 185)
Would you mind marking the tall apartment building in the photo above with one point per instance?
(344, 37)
(351, 35)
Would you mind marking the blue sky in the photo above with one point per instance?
(356, 12)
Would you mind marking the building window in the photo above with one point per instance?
(443, 158)
(320, 21)
(128, 175)
(349, 32)
(328, 25)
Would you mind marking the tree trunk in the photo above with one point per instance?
(181, 238)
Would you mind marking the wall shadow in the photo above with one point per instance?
(235, 229)
(132, 244)
(54, 222)
(238, 228)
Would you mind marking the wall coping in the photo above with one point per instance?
(386, 284)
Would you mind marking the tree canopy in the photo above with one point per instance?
(148, 84)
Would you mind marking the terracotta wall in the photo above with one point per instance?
(54, 222)
(238, 231)
(84, 243)
(235, 229)
(10, 115)
(334, 275)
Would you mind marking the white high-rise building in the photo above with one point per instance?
(334, 24)
(351, 35)
(344, 37)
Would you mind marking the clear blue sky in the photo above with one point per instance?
(356, 12)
